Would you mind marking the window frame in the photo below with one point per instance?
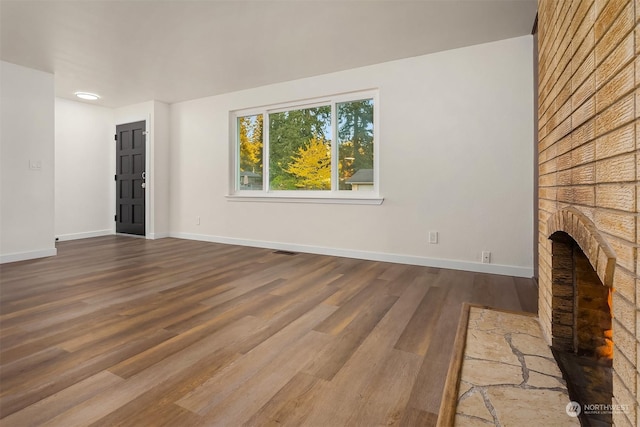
(334, 195)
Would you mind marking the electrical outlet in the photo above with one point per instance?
(433, 237)
(197, 220)
(486, 257)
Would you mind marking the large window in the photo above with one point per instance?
(321, 148)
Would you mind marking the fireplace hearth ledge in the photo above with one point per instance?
(503, 373)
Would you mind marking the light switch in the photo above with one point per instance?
(35, 165)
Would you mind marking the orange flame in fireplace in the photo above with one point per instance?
(605, 351)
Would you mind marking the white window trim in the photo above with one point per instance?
(337, 200)
(333, 196)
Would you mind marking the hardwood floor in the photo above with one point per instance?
(124, 331)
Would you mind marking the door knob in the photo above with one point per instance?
(144, 185)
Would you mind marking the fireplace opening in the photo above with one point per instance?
(581, 328)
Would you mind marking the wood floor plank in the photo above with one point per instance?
(351, 284)
(170, 415)
(300, 291)
(416, 417)
(416, 337)
(169, 348)
(53, 320)
(255, 282)
(235, 408)
(289, 405)
(286, 316)
(239, 306)
(335, 402)
(427, 389)
(114, 398)
(158, 402)
(392, 271)
(527, 291)
(16, 347)
(413, 273)
(351, 309)
(221, 386)
(45, 312)
(495, 290)
(502, 291)
(30, 387)
(386, 397)
(15, 370)
(334, 356)
(128, 329)
(52, 406)
(8, 331)
(322, 268)
(124, 331)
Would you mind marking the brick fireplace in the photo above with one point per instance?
(589, 227)
(581, 317)
(581, 286)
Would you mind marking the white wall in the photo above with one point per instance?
(85, 159)
(161, 175)
(456, 156)
(26, 134)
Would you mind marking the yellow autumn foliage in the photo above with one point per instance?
(312, 165)
(251, 144)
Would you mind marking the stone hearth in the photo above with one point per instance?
(508, 376)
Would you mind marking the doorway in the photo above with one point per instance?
(130, 178)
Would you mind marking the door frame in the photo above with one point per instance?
(148, 225)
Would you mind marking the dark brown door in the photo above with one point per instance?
(130, 178)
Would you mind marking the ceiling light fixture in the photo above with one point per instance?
(88, 96)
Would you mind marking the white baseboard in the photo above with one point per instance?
(85, 235)
(23, 256)
(506, 270)
(154, 236)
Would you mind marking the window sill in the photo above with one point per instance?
(322, 199)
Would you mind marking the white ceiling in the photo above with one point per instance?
(134, 51)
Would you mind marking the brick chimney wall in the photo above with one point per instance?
(588, 127)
